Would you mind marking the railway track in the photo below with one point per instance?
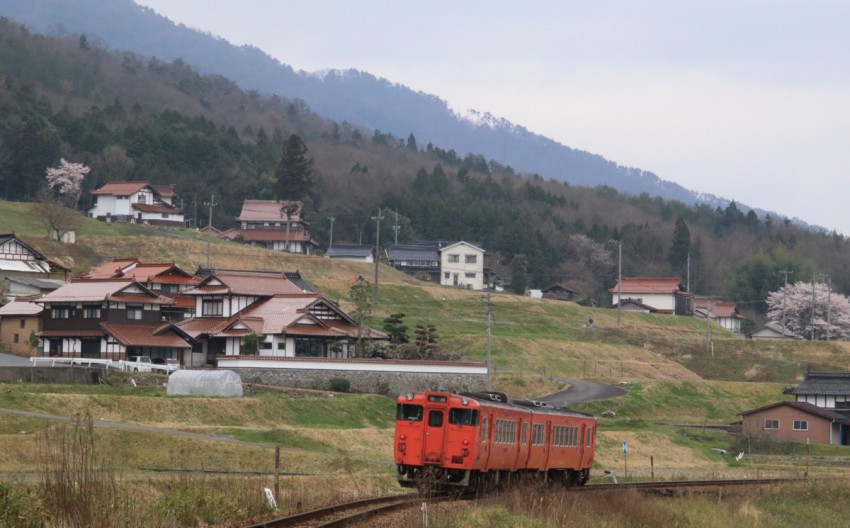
(350, 513)
(344, 514)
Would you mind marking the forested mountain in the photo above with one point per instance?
(143, 119)
(344, 96)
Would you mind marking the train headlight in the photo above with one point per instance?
(409, 396)
(464, 401)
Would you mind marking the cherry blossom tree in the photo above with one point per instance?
(67, 179)
(831, 311)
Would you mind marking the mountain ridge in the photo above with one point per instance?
(351, 95)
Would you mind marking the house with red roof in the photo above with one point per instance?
(164, 278)
(724, 313)
(136, 202)
(108, 319)
(664, 294)
(272, 224)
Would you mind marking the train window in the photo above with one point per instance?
(538, 434)
(463, 416)
(589, 437)
(438, 399)
(505, 432)
(524, 433)
(435, 419)
(484, 431)
(406, 411)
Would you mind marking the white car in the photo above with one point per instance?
(167, 365)
(138, 364)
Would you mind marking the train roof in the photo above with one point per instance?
(501, 400)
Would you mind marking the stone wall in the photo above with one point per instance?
(389, 383)
(85, 375)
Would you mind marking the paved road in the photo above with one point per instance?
(11, 360)
(581, 391)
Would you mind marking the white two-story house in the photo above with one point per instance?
(462, 265)
(136, 202)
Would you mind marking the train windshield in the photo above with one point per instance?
(463, 416)
(406, 411)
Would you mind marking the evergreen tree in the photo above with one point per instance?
(680, 248)
(411, 142)
(396, 329)
(294, 173)
(519, 274)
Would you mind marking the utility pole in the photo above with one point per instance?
(688, 283)
(377, 220)
(812, 333)
(619, 278)
(489, 340)
(210, 204)
(332, 232)
(784, 296)
(396, 228)
(708, 326)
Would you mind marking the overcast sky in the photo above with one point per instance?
(749, 100)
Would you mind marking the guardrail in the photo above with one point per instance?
(107, 363)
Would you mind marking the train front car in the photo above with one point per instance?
(435, 439)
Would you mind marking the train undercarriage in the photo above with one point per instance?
(435, 478)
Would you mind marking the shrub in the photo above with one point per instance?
(340, 384)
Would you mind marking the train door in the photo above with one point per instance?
(483, 451)
(547, 445)
(435, 436)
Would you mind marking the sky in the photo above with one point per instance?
(747, 100)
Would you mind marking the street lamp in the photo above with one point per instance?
(619, 278)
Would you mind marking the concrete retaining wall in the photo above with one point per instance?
(390, 383)
(83, 375)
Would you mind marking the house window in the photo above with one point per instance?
(23, 323)
(91, 311)
(60, 313)
(165, 215)
(454, 258)
(15, 338)
(134, 312)
(801, 425)
(212, 307)
(771, 425)
(170, 288)
(447, 275)
(469, 275)
(265, 346)
(470, 259)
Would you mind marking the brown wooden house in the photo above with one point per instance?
(796, 421)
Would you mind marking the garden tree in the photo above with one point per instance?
(251, 345)
(680, 248)
(67, 181)
(396, 329)
(831, 311)
(360, 295)
(519, 274)
(426, 340)
(56, 218)
(294, 174)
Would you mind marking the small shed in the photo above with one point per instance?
(224, 383)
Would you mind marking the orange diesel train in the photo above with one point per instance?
(480, 440)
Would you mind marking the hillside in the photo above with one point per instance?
(344, 96)
(142, 119)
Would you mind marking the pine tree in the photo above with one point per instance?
(681, 246)
(294, 173)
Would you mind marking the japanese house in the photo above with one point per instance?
(136, 202)
(277, 225)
